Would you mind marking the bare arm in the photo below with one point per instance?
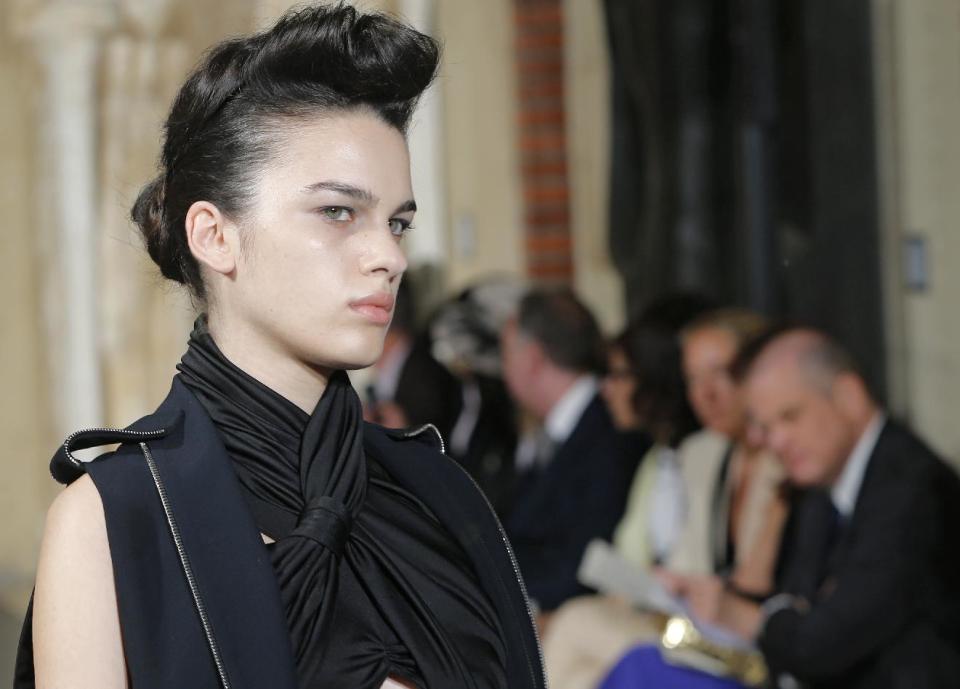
(755, 572)
(76, 626)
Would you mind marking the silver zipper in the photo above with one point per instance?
(516, 566)
(120, 431)
(187, 569)
(419, 430)
(503, 535)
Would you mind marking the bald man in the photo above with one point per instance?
(871, 584)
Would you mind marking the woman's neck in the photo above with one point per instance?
(261, 358)
(749, 453)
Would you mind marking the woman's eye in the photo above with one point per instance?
(337, 213)
(399, 227)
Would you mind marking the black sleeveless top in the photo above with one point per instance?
(197, 592)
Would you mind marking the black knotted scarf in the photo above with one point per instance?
(371, 585)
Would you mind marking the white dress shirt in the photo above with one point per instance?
(668, 503)
(559, 423)
(846, 489)
(566, 413)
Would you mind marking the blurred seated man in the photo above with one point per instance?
(732, 514)
(871, 585)
(572, 486)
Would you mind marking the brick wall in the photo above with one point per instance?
(541, 124)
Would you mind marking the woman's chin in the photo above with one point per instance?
(361, 356)
(356, 366)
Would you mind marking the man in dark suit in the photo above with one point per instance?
(870, 590)
(572, 481)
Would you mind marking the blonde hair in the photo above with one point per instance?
(743, 324)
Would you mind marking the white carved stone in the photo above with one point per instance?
(148, 16)
(144, 321)
(66, 36)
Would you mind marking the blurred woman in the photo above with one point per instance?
(736, 515)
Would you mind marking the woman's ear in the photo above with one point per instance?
(212, 239)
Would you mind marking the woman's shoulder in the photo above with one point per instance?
(77, 510)
(702, 456)
(75, 530)
(704, 443)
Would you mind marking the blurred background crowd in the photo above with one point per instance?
(618, 200)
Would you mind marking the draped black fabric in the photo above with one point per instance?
(372, 585)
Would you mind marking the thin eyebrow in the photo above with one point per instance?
(363, 195)
(406, 207)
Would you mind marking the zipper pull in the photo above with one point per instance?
(66, 467)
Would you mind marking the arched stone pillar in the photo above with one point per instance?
(66, 36)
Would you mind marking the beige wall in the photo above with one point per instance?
(588, 149)
(23, 423)
(919, 113)
(481, 164)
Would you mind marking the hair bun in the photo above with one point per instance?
(147, 213)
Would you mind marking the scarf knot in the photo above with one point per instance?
(326, 522)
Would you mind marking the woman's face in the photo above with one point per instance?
(714, 396)
(320, 258)
(618, 388)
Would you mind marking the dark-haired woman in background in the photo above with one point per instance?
(644, 390)
(253, 532)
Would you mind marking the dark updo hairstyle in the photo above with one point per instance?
(651, 345)
(226, 119)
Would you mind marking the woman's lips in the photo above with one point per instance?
(377, 308)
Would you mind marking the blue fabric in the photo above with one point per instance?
(644, 668)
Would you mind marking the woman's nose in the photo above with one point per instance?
(383, 254)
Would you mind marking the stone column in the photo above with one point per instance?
(427, 243)
(144, 319)
(66, 35)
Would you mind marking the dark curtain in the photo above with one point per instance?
(743, 162)
(666, 198)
